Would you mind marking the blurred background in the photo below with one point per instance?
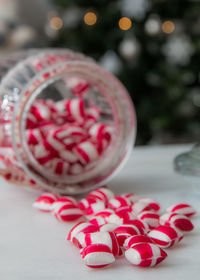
(152, 46)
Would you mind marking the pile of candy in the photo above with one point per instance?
(112, 225)
(66, 137)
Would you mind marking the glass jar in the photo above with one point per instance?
(51, 75)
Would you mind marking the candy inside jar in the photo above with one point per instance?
(72, 124)
(65, 136)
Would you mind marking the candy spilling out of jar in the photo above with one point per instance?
(111, 226)
(66, 137)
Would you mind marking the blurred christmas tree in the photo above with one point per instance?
(154, 49)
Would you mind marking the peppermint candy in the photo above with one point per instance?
(66, 136)
(117, 224)
(180, 222)
(103, 194)
(150, 218)
(44, 202)
(118, 202)
(141, 206)
(136, 239)
(153, 204)
(86, 152)
(106, 238)
(85, 203)
(182, 208)
(97, 255)
(165, 236)
(67, 212)
(95, 208)
(125, 231)
(75, 108)
(83, 227)
(145, 255)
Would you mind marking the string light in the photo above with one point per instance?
(168, 27)
(90, 18)
(56, 23)
(125, 23)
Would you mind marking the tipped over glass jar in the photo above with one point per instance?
(66, 124)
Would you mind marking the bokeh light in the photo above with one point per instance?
(168, 27)
(125, 23)
(90, 18)
(56, 23)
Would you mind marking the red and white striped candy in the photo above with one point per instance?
(93, 113)
(131, 197)
(60, 106)
(86, 151)
(95, 208)
(125, 231)
(180, 222)
(150, 217)
(69, 130)
(104, 213)
(145, 255)
(85, 203)
(53, 144)
(140, 206)
(131, 229)
(31, 121)
(102, 145)
(68, 156)
(97, 131)
(121, 237)
(77, 85)
(106, 238)
(182, 208)
(103, 194)
(108, 132)
(75, 108)
(118, 201)
(114, 219)
(67, 212)
(34, 136)
(44, 202)
(125, 214)
(97, 255)
(133, 240)
(150, 202)
(41, 154)
(68, 199)
(141, 225)
(40, 111)
(165, 236)
(57, 166)
(84, 227)
(98, 221)
(107, 227)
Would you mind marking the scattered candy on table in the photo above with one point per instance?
(111, 226)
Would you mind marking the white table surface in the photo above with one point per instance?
(33, 245)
